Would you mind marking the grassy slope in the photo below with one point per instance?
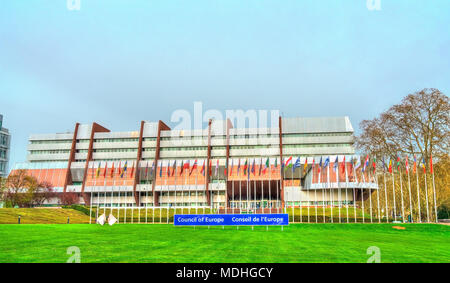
(166, 243)
(41, 216)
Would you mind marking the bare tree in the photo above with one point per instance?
(418, 125)
(69, 198)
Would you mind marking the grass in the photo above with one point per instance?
(166, 243)
(41, 216)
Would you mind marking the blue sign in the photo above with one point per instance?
(230, 219)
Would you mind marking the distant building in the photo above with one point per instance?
(90, 161)
(5, 139)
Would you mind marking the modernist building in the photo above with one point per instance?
(220, 166)
(5, 139)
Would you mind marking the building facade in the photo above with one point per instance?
(301, 162)
(5, 141)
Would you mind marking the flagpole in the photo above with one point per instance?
(270, 187)
(393, 193)
(409, 191)
(354, 190)
(98, 195)
(146, 195)
(362, 193)
(329, 187)
(434, 192)
(378, 197)
(91, 200)
(299, 190)
(401, 193)
(418, 191)
(385, 195)
(370, 199)
(104, 191)
(315, 190)
(196, 190)
(112, 195)
(309, 192)
(168, 192)
(339, 187)
(426, 195)
(346, 188)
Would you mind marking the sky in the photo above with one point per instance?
(117, 62)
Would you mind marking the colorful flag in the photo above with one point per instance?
(374, 165)
(239, 167)
(358, 162)
(288, 163)
(182, 167)
(245, 166)
(343, 166)
(327, 162)
(336, 164)
(423, 165)
(366, 163)
(390, 165)
(384, 165)
(415, 164)
(276, 163)
(194, 166)
(407, 165)
(132, 169)
(266, 166)
(225, 172)
(296, 164)
(119, 172)
(124, 169)
(398, 163)
(174, 168)
(231, 167)
(98, 170)
(319, 169)
(203, 168)
(160, 169)
(106, 169)
(146, 169)
(112, 171)
(305, 166)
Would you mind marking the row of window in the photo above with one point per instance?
(117, 140)
(117, 150)
(317, 135)
(184, 148)
(316, 145)
(50, 141)
(56, 151)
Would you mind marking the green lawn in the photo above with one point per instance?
(166, 243)
(41, 216)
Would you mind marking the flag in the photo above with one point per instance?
(253, 167)
(288, 163)
(384, 165)
(374, 164)
(210, 168)
(239, 167)
(174, 167)
(358, 163)
(296, 164)
(327, 162)
(266, 165)
(260, 166)
(306, 164)
(146, 170)
(217, 168)
(415, 164)
(390, 165)
(203, 168)
(343, 166)
(276, 163)
(120, 169)
(366, 163)
(423, 165)
(124, 169)
(225, 172)
(320, 166)
(194, 166)
(98, 170)
(106, 169)
(153, 168)
(160, 169)
(112, 171)
(431, 165)
(182, 167)
(111, 220)
(132, 169)
(336, 164)
(245, 167)
(407, 165)
(398, 163)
